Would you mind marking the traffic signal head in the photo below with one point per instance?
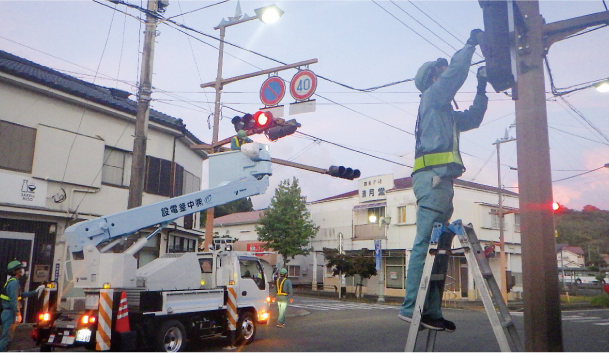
(344, 173)
(263, 120)
(556, 206)
(282, 129)
(495, 44)
(245, 122)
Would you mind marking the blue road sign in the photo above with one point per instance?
(272, 91)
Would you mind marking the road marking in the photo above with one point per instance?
(324, 305)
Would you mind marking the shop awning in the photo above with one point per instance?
(370, 205)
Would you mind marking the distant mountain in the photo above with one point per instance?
(588, 229)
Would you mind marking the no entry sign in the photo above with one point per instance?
(272, 91)
(303, 85)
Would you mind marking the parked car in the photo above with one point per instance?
(589, 278)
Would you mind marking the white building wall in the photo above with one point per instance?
(59, 119)
(471, 206)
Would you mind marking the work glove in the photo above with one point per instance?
(482, 80)
(291, 301)
(18, 318)
(474, 37)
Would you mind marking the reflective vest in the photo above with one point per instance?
(237, 141)
(430, 160)
(280, 287)
(4, 295)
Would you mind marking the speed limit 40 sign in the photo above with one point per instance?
(303, 85)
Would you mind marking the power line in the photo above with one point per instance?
(204, 7)
(580, 174)
(354, 150)
(581, 115)
(407, 26)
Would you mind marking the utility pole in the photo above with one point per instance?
(542, 316)
(500, 214)
(138, 165)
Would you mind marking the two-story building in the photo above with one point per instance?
(65, 156)
(384, 209)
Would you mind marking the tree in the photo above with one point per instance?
(241, 205)
(354, 263)
(286, 225)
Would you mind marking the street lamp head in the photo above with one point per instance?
(269, 14)
(602, 86)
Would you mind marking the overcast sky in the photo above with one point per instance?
(360, 44)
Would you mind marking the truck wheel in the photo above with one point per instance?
(246, 328)
(578, 281)
(171, 337)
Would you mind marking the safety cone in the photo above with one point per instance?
(122, 317)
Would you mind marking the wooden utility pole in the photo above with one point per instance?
(533, 38)
(138, 165)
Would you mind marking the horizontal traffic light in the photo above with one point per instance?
(263, 120)
(344, 173)
(282, 129)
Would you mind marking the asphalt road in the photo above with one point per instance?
(334, 326)
(330, 325)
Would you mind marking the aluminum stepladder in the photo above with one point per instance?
(434, 275)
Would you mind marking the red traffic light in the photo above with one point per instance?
(263, 120)
(556, 206)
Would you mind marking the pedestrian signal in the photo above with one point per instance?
(344, 173)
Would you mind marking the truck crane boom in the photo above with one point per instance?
(243, 173)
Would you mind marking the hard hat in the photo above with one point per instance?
(283, 271)
(242, 134)
(14, 265)
(421, 80)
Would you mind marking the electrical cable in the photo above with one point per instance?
(581, 137)
(580, 174)
(419, 22)
(354, 150)
(204, 7)
(407, 26)
(120, 58)
(581, 115)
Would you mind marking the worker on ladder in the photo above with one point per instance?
(437, 163)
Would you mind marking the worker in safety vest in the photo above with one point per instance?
(437, 163)
(11, 303)
(238, 140)
(284, 295)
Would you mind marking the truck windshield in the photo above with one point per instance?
(251, 269)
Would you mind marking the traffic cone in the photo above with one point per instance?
(122, 317)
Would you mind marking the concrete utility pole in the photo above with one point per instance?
(500, 214)
(542, 317)
(138, 165)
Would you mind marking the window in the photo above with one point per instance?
(16, 147)
(293, 271)
(117, 167)
(395, 268)
(177, 244)
(206, 265)
(158, 178)
(407, 214)
(251, 269)
(191, 183)
(375, 213)
(516, 222)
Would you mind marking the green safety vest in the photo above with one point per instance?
(280, 287)
(4, 295)
(440, 158)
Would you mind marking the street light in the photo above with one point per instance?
(602, 86)
(265, 14)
